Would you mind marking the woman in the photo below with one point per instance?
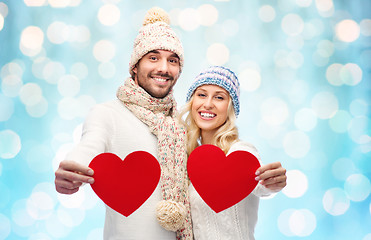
(212, 107)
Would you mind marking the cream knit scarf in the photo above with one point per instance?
(173, 213)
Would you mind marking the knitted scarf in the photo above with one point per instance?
(173, 213)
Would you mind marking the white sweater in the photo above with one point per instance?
(111, 127)
(235, 223)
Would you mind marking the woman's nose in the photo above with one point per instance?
(208, 104)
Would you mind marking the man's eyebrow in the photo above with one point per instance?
(175, 55)
(157, 52)
(153, 51)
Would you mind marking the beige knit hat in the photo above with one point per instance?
(155, 33)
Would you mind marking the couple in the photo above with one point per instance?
(143, 117)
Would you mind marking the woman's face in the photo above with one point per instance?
(210, 107)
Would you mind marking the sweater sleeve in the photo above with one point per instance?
(96, 134)
(260, 190)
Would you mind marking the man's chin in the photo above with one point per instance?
(158, 94)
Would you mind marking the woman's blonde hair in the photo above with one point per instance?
(225, 136)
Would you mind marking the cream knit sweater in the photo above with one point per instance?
(235, 223)
(111, 127)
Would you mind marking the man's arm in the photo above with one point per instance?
(74, 171)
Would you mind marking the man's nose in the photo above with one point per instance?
(163, 66)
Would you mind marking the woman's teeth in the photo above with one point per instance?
(207, 115)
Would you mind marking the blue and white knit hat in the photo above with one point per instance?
(222, 77)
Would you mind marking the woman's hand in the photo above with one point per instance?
(272, 176)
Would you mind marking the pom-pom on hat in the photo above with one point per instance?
(156, 33)
(222, 77)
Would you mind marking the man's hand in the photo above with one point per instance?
(272, 176)
(71, 175)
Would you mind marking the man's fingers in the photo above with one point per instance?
(76, 167)
(62, 183)
(65, 190)
(73, 176)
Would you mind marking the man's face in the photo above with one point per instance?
(157, 72)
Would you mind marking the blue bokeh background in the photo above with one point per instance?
(305, 73)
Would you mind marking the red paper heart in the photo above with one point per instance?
(219, 180)
(125, 185)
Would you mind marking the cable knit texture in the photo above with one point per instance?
(235, 223)
(159, 114)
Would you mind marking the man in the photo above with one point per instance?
(142, 118)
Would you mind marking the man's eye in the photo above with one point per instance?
(173, 60)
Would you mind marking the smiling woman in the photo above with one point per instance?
(212, 108)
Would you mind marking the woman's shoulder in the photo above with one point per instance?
(244, 146)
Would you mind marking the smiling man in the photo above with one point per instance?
(157, 72)
(141, 118)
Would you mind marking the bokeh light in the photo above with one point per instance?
(104, 50)
(292, 24)
(267, 13)
(250, 79)
(335, 201)
(69, 86)
(304, 68)
(305, 119)
(1, 22)
(296, 144)
(297, 184)
(32, 39)
(189, 19)
(357, 187)
(347, 30)
(340, 121)
(208, 14)
(304, 3)
(217, 54)
(300, 223)
(109, 14)
(6, 108)
(366, 27)
(274, 111)
(5, 228)
(30, 94)
(10, 144)
(325, 105)
(342, 168)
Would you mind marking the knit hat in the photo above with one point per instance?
(222, 77)
(156, 33)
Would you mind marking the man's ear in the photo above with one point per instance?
(135, 69)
